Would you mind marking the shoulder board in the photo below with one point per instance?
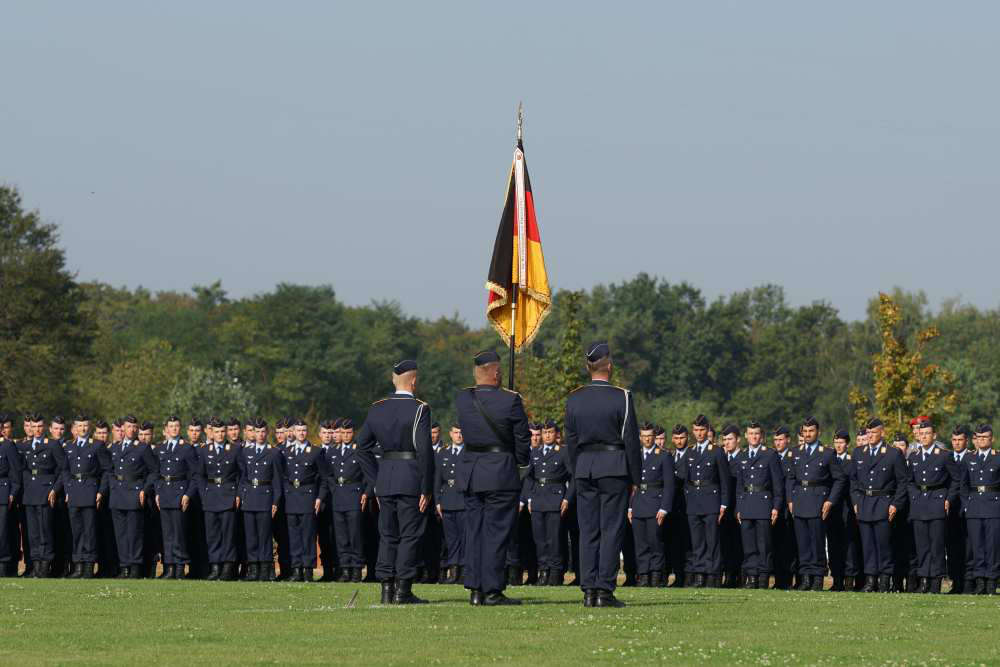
(821, 448)
(46, 441)
(270, 446)
(710, 447)
(801, 447)
(937, 450)
(308, 448)
(882, 451)
(848, 457)
(419, 401)
(557, 448)
(510, 391)
(381, 400)
(657, 450)
(579, 388)
(354, 446)
(228, 446)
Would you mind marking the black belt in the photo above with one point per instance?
(219, 481)
(296, 483)
(987, 488)
(490, 449)
(701, 484)
(346, 482)
(399, 456)
(542, 481)
(924, 488)
(649, 486)
(259, 482)
(81, 477)
(173, 478)
(876, 492)
(602, 448)
(38, 472)
(756, 488)
(806, 484)
(129, 478)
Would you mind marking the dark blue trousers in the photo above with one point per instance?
(758, 555)
(649, 555)
(959, 551)
(6, 534)
(545, 528)
(129, 527)
(810, 534)
(174, 525)
(984, 535)
(453, 525)
(401, 527)
(220, 533)
(257, 536)
(706, 553)
(929, 540)
(876, 547)
(83, 527)
(329, 556)
(302, 539)
(347, 532)
(489, 523)
(41, 531)
(602, 510)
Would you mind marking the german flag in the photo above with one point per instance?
(518, 266)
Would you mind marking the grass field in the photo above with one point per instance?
(179, 622)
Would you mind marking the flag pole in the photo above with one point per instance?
(513, 291)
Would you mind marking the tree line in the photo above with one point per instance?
(68, 346)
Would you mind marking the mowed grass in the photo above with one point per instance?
(180, 622)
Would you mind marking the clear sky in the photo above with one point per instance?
(833, 148)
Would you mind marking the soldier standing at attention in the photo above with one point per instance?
(304, 472)
(495, 429)
(348, 498)
(760, 497)
(133, 469)
(218, 474)
(934, 483)
(602, 437)
(451, 506)
(959, 552)
(843, 539)
(403, 480)
(44, 463)
(260, 490)
(175, 485)
(548, 490)
(11, 474)
(981, 500)
(107, 549)
(786, 559)
(280, 524)
(815, 485)
(878, 491)
(707, 494)
(649, 507)
(329, 442)
(429, 570)
(678, 532)
(730, 541)
(86, 485)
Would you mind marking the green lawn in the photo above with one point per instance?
(179, 622)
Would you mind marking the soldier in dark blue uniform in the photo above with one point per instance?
(815, 484)
(842, 536)
(62, 537)
(981, 502)
(678, 531)
(303, 474)
(349, 496)
(495, 429)
(175, 486)
(548, 492)
(260, 491)
(11, 475)
(432, 543)
(107, 547)
(649, 507)
(403, 480)
(85, 482)
(152, 547)
(959, 551)
(760, 497)
(133, 470)
(934, 483)
(707, 494)
(602, 437)
(730, 542)
(786, 554)
(218, 475)
(451, 505)
(282, 429)
(878, 492)
(42, 482)
(329, 442)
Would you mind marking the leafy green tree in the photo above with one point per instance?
(207, 392)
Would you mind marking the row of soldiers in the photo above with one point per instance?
(876, 516)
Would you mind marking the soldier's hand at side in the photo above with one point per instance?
(722, 513)
(631, 490)
(274, 511)
(774, 517)
(157, 502)
(425, 501)
(856, 509)
(661, 516)
(364, 502)
(520, 507)
(563, 508)
(947, 506)
(237, 502)
(791, 508)
(10, 501)
(52, 498)
(739, 518)
(142, 497)
(185, 502)
(316, 505)
(827, 505)
(892, 512)
(630, 515)
(440, 515)
(529, 505)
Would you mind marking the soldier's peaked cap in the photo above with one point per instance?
(983, 429)
(597, 351)
(486, 357)
(404, 366)
(842, 434)
(874, 422)
(347, 422)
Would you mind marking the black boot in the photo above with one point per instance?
(957, 586)
(123, 572)
(404, 593)
(607, 599)
(459, 575)
(214, 572)
(655, 579)
(514, 576)
(556, 578)
(498, 599)
(885, 583)
(697, 581)
(817, 583)
(345, 575)
(356, 575)
(838, 584)
(77, 572)
(543, 578)
(267, 572)
(307, 575)
(751, 581)
(41, 569)
(804, 583)
(870, 585)
(935, 586)
(589, 596)
(136, 572)
(991, 587)
(642, 581)
(388, 591)
(923, 585)
(679, 580)
(763, 581)
(228, 572)
(252, 573)
(476, 597)
(912, 583)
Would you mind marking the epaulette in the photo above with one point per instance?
(579, 388)
(228, 446)
(46, 441)
(937, 450)
(848, 457)
(354, 446)
(882, 451)
(656, 450)
(710, 447)
(381, 400)
(801, 447)
(557, 448)
(181, 441)
(821, 448)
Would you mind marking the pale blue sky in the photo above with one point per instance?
(833, 148)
